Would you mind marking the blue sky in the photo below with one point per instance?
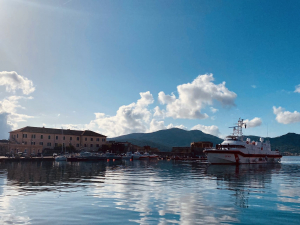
(112, 66)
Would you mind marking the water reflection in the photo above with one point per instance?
(50, 176)
(148, 192)
(243, 179)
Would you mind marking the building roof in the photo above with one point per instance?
(58, 131)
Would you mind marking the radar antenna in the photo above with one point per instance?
(238, 130)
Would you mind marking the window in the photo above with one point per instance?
(25, 143)
(85, 139)
(42, 136)
(97, 145)
(17, 135)
(92, 139)
(103, 139)
(77, 145)
(56, 137)
(70, 138)
(32, 143)
(77, 138)
(41, 143)
(97, 139)
(49, 144)
(33, 136)
(49, 137)
(56, 144)
(24, 135)
(91, 145)
(84, 145)
(64, 138)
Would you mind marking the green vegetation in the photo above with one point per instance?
(164, 140)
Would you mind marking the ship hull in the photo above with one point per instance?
(236, 157)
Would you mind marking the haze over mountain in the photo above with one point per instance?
(164, 140)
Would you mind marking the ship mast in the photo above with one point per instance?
(238, 130)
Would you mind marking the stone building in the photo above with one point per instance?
(196, 148)
(37, 139)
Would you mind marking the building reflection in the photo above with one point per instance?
(49, 176)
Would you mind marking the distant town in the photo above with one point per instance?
(37, 141)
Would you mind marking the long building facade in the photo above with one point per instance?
(36, 139)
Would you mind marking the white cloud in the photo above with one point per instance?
(160, 125)
(213, 110)
(255, 122)
(193, 97)
(72, 126)
(297, 88)
(176, 126)
(213, 130)
(286, 117)
(156, 125)
(13, 81)
(158, 112)
(253, 86)
(9, 106)
(4, 126)
(131, 118)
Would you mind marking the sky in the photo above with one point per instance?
(120, 67)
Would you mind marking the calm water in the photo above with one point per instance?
(155, 192)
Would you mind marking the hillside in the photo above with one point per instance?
(164, 140)
(289, 142)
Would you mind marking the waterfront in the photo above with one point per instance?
(149, 192)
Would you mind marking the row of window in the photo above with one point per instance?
(56, 144)
(64, 138)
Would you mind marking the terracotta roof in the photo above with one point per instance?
(58, 131)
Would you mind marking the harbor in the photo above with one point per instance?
(148, 192)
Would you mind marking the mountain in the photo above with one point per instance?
(289, 142)
(164, 140)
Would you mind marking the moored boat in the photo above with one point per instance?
(60, 158)
(234, 150)
(128, 155)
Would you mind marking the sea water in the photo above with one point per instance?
(149, 192)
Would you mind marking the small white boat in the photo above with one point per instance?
(137, 155)
(128, 155)
(60, 158)
(110, 155)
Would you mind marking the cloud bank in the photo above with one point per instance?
(213, 130)
(9, 105)
(194, 97)
(128, 119)
(297, 88)
(253, 123)
(13, 81)
(286, 117)
(4, 126)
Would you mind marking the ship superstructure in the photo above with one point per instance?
(235, 150)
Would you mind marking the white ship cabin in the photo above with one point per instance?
(232, 142)
(236, 142)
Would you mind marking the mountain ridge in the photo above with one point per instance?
(164, 140)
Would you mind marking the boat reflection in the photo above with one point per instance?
(243, 179)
